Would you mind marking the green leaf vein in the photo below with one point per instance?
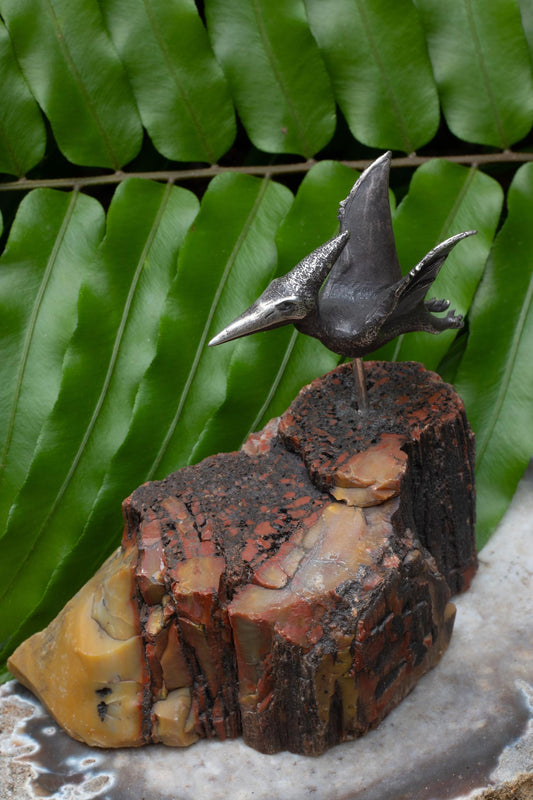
(199, 350)
(485, 433)
(308, 150)
(178, 83)
(276, 382)
(107, 380)
(81, 85)
(484, 72)
(32, 323)
(443, 234)
(385, 75)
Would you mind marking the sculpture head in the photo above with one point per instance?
(289, 298)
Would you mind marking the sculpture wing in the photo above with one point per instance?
(412, 289)
(369, 258)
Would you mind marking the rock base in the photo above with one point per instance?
(293, 592)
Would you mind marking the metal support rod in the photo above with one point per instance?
(359, 379)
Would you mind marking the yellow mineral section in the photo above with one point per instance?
(174, 719)
(86, 667)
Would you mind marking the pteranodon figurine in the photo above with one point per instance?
(349, 293)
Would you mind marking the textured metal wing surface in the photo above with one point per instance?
(370, 256)
(413, 287)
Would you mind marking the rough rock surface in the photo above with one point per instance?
(294, 591)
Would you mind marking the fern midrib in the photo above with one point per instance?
(105, 388)
(260, 170)
(486, 433)
(30, 331)
(199, 350)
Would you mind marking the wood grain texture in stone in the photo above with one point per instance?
(466, 729)
(294, 591)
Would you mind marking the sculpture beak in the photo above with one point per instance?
(261, 316)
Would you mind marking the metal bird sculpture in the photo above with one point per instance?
(349, 293)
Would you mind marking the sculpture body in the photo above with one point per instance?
(349, 293)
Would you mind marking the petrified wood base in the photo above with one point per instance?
(293, 592)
